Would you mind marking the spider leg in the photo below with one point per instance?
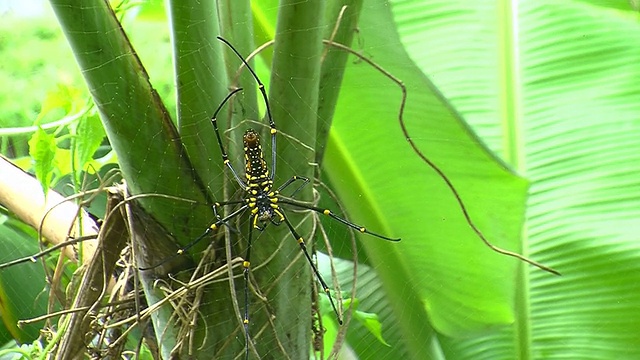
(293, 179)
(225, 157)
(246, 264)
(303, 247)
(328, 212)
(211, 228)
(217, 215)
(272, 124)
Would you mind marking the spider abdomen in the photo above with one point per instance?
(256, 170)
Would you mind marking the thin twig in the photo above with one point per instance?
(435, 167)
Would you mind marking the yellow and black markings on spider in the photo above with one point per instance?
(262, 200)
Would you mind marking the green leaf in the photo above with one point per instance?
(464, 286)
(42, 149)
(63, 161)
(573, 130)
(21, 286)
(89, 136)
(42, 146)
(369, 320)
(62, 97)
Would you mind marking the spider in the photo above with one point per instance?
(262, 200)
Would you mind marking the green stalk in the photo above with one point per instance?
(513, 141)
(136, 121)
(294, 99)
(340, 29)
(201, 83)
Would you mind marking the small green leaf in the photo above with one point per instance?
(52, 100)
(65, 97)
(369, 320)
(42, 148)
(89, 136)
(62, 161)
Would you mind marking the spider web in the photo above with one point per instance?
(259, 309)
